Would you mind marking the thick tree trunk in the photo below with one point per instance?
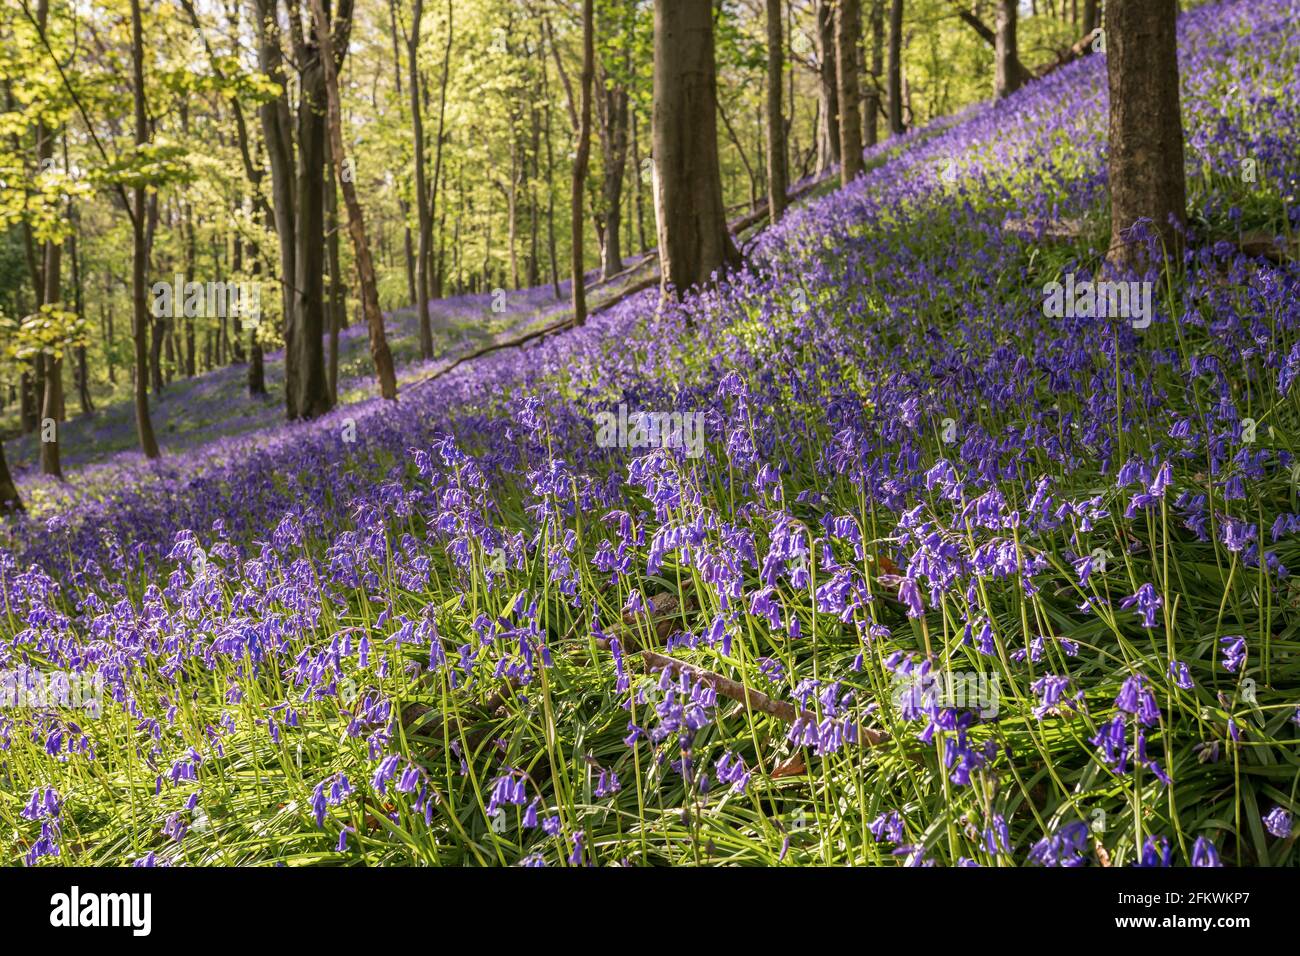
(10, 500)
(777, 171)
(894, 91)
(1146, 131)
(1091, 17)
(382, 358)
(581, 157)
(692, 223)
(848, 34)
(140, 251)
(306, 385)
(828, 141)
(1006, 68)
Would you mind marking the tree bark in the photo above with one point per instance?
(777, 170)
(694, 243)
(895, 84)
(306, 383)
(1007, 76)
(614, 144)
(379, 352)
(580, 160)
(435, 192)
(871, 100)
(848, 34)
(403, 206)
(1091, 16)
(828, 149)
(10, 500)
(1146, 132)
(277, 131)
(140, 250)
(424, 216)
(337, 308)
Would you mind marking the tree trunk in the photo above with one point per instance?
(403, 206)
(1146, 131)
(383, 359)
(1006, 69)
(306, 385)
(28, 403)
(871, 110)
(1091, 17)
(140, 251)
(614, 144)
(435, 192)
(336, 304)
(895, 84)
(692, 223)
(81, 370)
(583, 153)
(424, 216)
(848, 34)
(52, 399)
(10, 501)
(828, 149)
(777, 171)
(277, 132)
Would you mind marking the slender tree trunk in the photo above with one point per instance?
(871, 110)
(424, 216)
(895, 84)
(583, 153)
(1147, 179)
(777, 171)
(1006, 72)
(50, 366)
(614, 142)
(848, 35)
(336, 304)
(277, 132)
(435, 192)
(140, 251)
(403, 206)
(550, 205)
(828, 150)
(81, 372)
(383, 359)
(694, 243)
(28, 403)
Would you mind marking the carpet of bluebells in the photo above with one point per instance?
(472, 635)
